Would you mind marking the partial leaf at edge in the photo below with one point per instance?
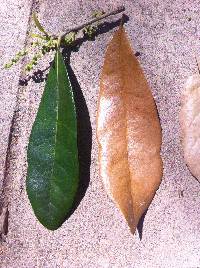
(52, 179)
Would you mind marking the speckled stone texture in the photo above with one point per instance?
(166, 33)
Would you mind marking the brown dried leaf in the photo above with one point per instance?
(128, 132)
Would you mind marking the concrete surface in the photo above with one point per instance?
(166, 33)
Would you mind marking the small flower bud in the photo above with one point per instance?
(8, 65)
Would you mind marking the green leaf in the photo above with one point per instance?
(52, 179)
(39, 26)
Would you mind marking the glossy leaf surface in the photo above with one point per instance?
(128, 131)
(52, 152)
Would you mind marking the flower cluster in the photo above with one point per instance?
(90, 30)
(45, 42)
(17, 57)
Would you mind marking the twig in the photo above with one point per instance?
(54, 41)
(79, 27)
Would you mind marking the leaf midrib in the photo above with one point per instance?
(56, 132)
(125, 111)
